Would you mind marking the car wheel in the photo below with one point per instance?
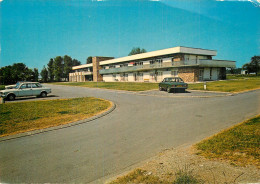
(11, 97)
(43, 94)
(168, 89)
(160, 88)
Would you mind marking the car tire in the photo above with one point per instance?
(11, 97)
(43, 94)
(168, 89)
(160, 88)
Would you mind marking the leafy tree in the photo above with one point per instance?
(44, 74)
(89, 60)
(75, 62)
(67, 66)
(6, 75)
(17, 72)
(35, 75)
(136, 50)
(253, 66)
(57, 68)
(51, 69)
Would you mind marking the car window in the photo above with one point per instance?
(24, 86)
(35, 86)
(172, 79)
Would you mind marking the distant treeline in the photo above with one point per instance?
(58, 69)
(17, 72)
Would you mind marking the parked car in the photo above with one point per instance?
(25, 89)
(13, 85)
(173, 84)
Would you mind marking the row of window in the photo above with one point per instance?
(157, 61)
(139, 76)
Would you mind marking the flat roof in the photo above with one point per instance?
(157, 53)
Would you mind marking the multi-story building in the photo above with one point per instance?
(191, 64)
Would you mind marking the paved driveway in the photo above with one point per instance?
(140, 127)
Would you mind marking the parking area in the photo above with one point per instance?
(58, 94)
(187, 93)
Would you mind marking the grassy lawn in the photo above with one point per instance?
(239, 144)
(27, 116)
(127, 86)
(2, 87)
(235, 83)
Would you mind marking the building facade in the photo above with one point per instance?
(191, 64)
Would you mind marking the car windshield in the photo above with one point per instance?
(17, 85)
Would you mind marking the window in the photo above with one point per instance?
(35, 86)
(140, 76)
(26, 86)
(174, 73)
(138, 63)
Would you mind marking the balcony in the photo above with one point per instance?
(81, 73)
(175, 64)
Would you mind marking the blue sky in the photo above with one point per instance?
(33, 31)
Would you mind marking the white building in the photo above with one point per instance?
(191, 64)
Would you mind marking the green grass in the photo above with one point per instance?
(2, 87)
(238, 76)
(235, 83)
(127, 86)
(239, 144)
(25, 116)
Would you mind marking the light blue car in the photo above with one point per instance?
(25, 89)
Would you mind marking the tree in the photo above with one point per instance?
(51, 70)
(136, 50)
(57, 70)
(89, 60)
(44, 74)
(67, 66)
(17, 72)
(75, 62)
(253, 66)
(35, 74)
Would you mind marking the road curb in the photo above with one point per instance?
(34, 132)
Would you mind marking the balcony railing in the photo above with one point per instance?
(81, 73)
(201, 63)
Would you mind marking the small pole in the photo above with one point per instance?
(205, 85)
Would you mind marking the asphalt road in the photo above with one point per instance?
(140, 127)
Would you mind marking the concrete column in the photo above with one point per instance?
(96, 67)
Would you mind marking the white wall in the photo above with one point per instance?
(146, 75)
(167, 60)
(131, 77)
(118, 77)
(166, 74)
(108, 78)
(146, 62)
